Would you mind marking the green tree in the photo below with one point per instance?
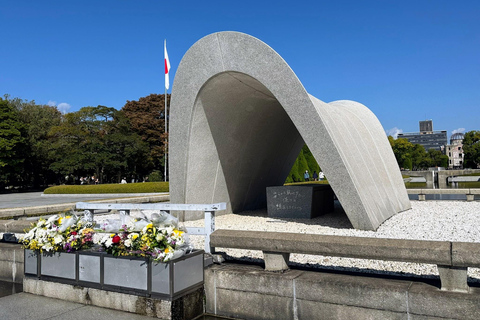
(407, 164)
(38, 120)
(402, 149)
(97, 141)
(471, 149)
(304, 161)
(419, 156)
(146, 118)
(12, 145)
(413, 156)
(311, 161)
(437, 158)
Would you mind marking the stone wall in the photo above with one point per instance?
(249, 292)
(11, 262)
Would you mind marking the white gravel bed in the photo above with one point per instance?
(427, 220)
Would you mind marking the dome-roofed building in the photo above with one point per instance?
(454, 151)
(457, 138)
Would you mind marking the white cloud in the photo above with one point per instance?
(63, 107)
(394, 132)
(52, 103)
(459, 130)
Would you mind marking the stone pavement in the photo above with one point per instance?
(32, 307)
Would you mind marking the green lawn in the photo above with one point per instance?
(141, 187)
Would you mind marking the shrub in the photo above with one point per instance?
(141, 187)
(306, 182)
(155, 176)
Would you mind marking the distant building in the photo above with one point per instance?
(454, 151)
(427, 138)
(426, 126)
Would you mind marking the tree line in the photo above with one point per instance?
(40, 146)
(408, 155)
(414, 156)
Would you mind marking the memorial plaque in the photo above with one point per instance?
(299, 202)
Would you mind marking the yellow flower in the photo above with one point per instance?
(87, 230)
(177, 232)
(60, 220)
(167, 250)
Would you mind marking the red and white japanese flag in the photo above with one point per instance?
(167, 67)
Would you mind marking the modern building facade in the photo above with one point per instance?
(426, 126)
(427, 138)
(454, 151)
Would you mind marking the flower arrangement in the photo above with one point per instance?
(161, 244)
(159, 239)
(59, 233)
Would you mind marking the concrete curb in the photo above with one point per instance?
(16, 213)
(106, 195)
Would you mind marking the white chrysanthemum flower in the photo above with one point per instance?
(52, 233)
(109, 242)
(41, 233)
(48, 246)
(58, 239)
(128, 243)
(103, 239)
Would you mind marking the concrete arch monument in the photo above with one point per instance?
(239, 117)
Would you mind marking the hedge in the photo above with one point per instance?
(307, 182)
(141, 187)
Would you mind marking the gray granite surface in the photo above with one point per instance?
(239, 117)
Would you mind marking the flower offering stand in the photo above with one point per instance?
(131, 266)
(131, 275)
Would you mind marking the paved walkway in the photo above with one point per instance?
(35, 199)
(28, 306)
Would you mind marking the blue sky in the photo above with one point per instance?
(405, 60)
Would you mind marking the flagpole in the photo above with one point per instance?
(166, 136)
(166, 117)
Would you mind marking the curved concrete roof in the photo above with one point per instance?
(239, 117)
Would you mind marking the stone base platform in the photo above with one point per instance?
(186, 307)
(249, 292)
